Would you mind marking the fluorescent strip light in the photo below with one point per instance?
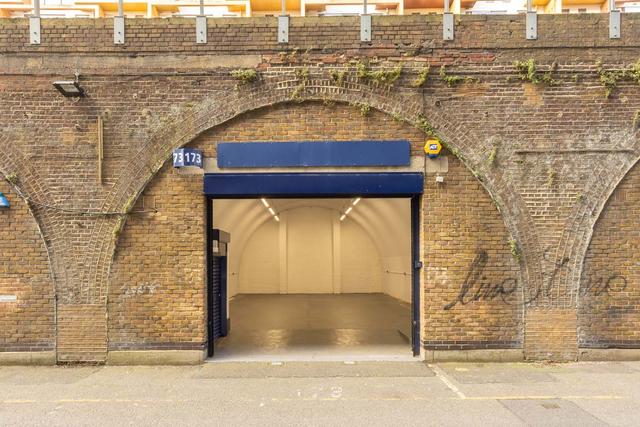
(272, 211)
(276, 218)
(355, 202)
(348, 210)
(264, 202)
(343, 217)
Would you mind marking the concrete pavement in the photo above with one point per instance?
(323, 394)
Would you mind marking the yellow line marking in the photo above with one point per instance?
(542, 397)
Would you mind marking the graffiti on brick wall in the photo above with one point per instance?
(604, 285)
(477, 287)
(141, 289)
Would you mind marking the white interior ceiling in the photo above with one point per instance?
(374, 253)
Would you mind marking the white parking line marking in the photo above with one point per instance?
(441, 375)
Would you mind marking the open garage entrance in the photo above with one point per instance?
(324, 270)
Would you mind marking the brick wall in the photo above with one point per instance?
(473, 292)
(28, 323)
(157, 283)
(609, 304)
(550, 334)
(561, 147)
(155, 297)
(258, 35)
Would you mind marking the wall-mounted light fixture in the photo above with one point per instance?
(4, 202)
(69, 88)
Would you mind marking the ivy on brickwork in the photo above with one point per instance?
(118, 228)
(610, 78)
(515, 250)
(338, 76)
(427, 128)
(363, 107)
(423, 76)
(12, 178)
(493, 154)
(551, 178)
(454, 80)
(381, 76)
(303, 73)
(328, 102)
(528, 71)
(245, 75)
(296, 95)
(424, 124)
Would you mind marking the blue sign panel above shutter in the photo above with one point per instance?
(313, 154)
(297, 185)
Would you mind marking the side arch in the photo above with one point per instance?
(609, 292)
(28, 320)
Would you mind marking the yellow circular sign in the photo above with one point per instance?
(432, 147)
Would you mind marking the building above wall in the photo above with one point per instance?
(247, 8)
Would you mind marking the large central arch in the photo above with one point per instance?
(275, 88)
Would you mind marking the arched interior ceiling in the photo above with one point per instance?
(387, 221)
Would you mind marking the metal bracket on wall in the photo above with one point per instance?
(447, 26)
(365, 28)
(532, 26)
(34, 30)
(118, 29)
(283, 29)
(614, 24)
(201, 29)
(100, 148)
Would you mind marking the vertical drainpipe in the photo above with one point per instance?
(447, 22)
(118, 24)
(283, 24)
(614, 20)
(531, 22)
(201, 25)
(34, 24)
(365, 24)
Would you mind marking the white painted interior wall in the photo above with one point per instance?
(311, 251)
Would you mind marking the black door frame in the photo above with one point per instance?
(221, 297)
(415, 200)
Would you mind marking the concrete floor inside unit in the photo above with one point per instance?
(323, 327)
